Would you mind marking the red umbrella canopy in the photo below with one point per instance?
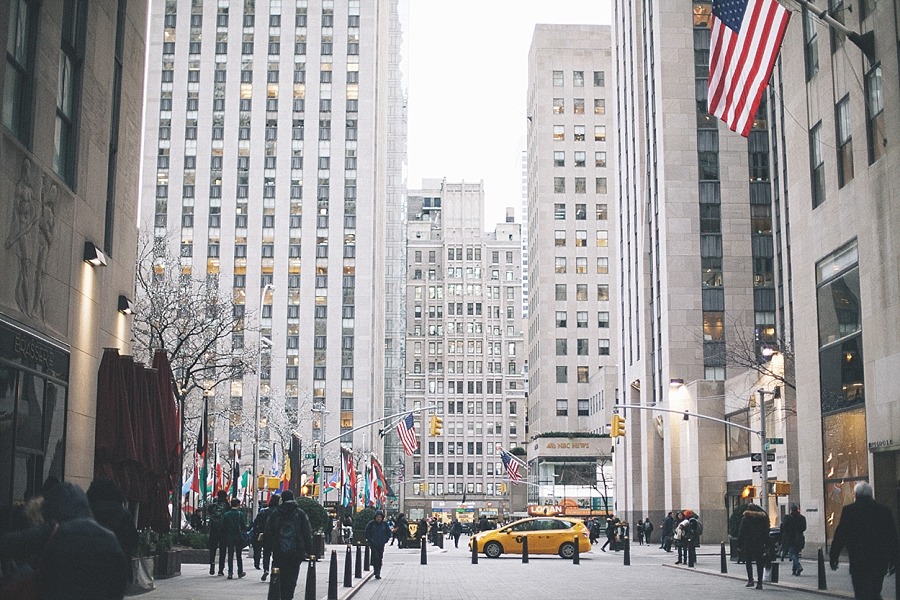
(114, 435)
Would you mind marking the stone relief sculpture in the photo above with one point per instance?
(31, 236)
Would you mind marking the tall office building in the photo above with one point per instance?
(836, 126)
(696, 276)
(571, 254)
(464, 349)
(71, 91)
(269, 167)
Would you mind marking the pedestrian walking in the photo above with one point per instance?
(753, 541)
(274, 501)
(668, 531)
(610, 535)
(455, 532)
(401, 530)
(256, 538)
(868, 532)
(234, 527)
(792, 540)
(216, 510)
(377, 535)
(648, 529)
(108, 507)
(289, 537)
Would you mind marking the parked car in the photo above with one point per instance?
(546, 535)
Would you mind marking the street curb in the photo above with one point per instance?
(788, 586)
(356, 587)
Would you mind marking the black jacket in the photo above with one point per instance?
(285, 511)
(117, 519)
(867, 530)
(753, 535)
(792, 527)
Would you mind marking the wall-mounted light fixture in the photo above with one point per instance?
(126, 306)
(768, 351)
(93, 255)
(676, 382)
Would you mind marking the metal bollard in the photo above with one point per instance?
(332, 577)
(474, 551)
(627, 543)
(692, 554)
(366, 559)
(723, 559)
(358, 571)
(311, 580)
(524, 548)
(274, 585)
(424, 560)
(576, 558)
(823, 585)
(348, 568)
(775, 571)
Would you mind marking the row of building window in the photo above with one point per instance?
(560, 265)
(559, 78)
(581, 238)
(579, 133)
(582, 347)
(562, 407)
(583, 373)
(581, 212)
(579, 158)
(457, 387)
(559, 106)
(559, 185)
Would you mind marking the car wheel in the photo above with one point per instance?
(567, 550)
(493, 549)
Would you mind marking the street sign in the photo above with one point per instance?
(309, 455)
(757, 456)
(329, 469)
(758, 468)
(775, 440)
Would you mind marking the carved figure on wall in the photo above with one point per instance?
(24, 218)
(46, 224)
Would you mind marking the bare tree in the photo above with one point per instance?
(750, 350)
(196, 323)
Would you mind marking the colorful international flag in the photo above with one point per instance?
(348, 478)
(334, 482)
(407, 432)
(745, 38)
(286, 478)
(512, 466)
(276, 468)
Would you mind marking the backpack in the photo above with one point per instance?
(648, 527)
(288, 538)
(216, 512)
(699, 527)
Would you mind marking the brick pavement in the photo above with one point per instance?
(449, 574)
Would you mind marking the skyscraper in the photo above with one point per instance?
(268, 168)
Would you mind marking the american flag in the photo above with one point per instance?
(512, 466)
(407, 432)
(744, 42)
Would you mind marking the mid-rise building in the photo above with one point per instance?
(464, 350)
(571, 335)
(270, 167)
(71, 91)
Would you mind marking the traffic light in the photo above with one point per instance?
(436, 427)
(501, 488)
(617, 427)
(749, 491)
(781, 488)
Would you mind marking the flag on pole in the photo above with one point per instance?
(276, 470)
(407, 432)
(512, 466)
(379, 487)
(203, 447)
(745, 38)
(235, 472)
(334, 483)
(348, 478)
(286, 477)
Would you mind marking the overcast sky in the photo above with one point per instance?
(465, 64)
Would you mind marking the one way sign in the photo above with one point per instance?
(758, 468)
(757, 456)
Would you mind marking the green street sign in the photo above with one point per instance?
(310, 455)
(775, 440)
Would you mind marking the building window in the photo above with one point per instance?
(599, 133)
(562, 406)
(558, 106)
(581, 212)
(559, 212)
(603, 319)
(561, 347)
(603, 347)
(559, 133)
(581, 319)
(578, 106)
(600, 185)
(581, 292)
(875, 114)
(817, 165)
(599, 79)
(18, 107)
(602, 238)
(602, 265)
(562, 374)
(68, 92)
(844, 142)
(580, 238)
(603, 292)
(560, 291)
(580, 185)
(581, 347)
(560, 264)
(580, 158)
(583, 374)
(559, 158)
(599, 106)
(810, 44)
(578, 134)
(578, 78)
(558, 79)
(581, 265)
(561, 318)
(560, 237)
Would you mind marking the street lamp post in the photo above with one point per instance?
(263, 341)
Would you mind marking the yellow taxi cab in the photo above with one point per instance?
(546, 535)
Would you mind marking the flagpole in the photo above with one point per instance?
(865, 42)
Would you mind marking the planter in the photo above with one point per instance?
(168, 564)
(142, 579)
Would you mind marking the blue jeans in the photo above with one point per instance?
(794, 555)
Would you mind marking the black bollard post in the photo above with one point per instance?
(424, 560)
(823, 585)
(474, 551)
(723, 559)
(775, 564)
(311, 580)
(332, 577)
(274, 585)
(348, 568)
(366, 559)
(439, 538)
(358, 572)
(524, 548)
(692, 554)
(576, 558)
(627, 544)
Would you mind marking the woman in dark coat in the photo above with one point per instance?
(753, 539)
(108, 506)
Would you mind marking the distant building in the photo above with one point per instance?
(71, 91)
(464, 349)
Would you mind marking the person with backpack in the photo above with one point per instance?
(216, 511)
(377, 535)
(259, 529)
(289, 537)
(648, 529)
(234, 526)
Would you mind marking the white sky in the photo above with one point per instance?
(465, 64)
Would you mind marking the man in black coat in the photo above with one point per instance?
(868, 531)
(753, 541)
(288, 553)
(668, 530)
(792, 527)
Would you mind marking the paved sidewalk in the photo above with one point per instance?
(449, 575)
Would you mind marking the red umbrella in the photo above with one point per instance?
(115, 450)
